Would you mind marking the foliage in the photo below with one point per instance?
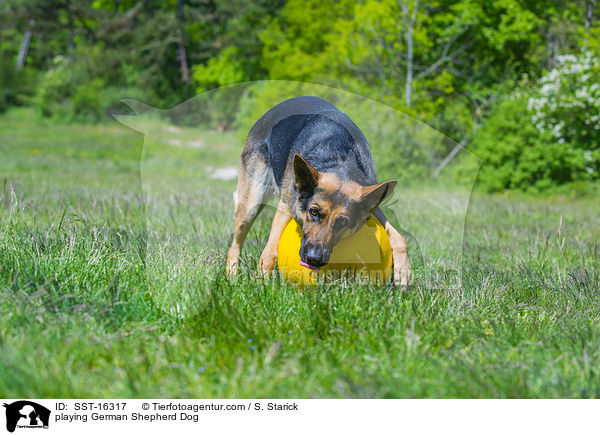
(464, 52)
(16, 87)
(567, 106)
(64, 88)
(516, 155)
(548, 137)
(443, 62)
(71, 90)
(220, 71)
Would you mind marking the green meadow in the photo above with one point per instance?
(112, 284)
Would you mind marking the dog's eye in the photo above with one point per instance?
(314, 211)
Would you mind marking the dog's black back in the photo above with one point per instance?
(323, 135)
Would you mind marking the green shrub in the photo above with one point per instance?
(68, 92)
(516, 155)
(567, 103)
(77, 89)
(17, 87)
(567, 106)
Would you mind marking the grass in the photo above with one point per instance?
(112, 285)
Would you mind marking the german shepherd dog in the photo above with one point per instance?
(319, 162)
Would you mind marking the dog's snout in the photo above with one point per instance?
(316, 256)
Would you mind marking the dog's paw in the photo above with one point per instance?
(266, 267)
(402, 276)
(232, 269)
(266, 262)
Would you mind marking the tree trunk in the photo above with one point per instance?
(591, 4)
(409, 66)
(552, 44)
(185, 72)
(409, 37)
(71, 22)
(24, 47)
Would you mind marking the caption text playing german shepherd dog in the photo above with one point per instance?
(319, 161)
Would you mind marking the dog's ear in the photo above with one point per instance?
(374, 195)
(306, 176)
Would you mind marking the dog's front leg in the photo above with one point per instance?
(266, 263)
(402, 269)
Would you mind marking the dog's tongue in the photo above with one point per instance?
(302, 263)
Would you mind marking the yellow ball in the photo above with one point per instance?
(366, 255)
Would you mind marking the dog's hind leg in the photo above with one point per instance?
(251, 194)
(401, 263)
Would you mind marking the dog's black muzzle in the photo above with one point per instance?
(314, 255)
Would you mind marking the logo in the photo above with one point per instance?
(26, 414)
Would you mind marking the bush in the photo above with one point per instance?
(68, 92)
(77, 89)
(548, 138)
(516, 155)
(17, 87)
(567, 104)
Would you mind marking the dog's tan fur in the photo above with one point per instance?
(252, 191)
(343, 205)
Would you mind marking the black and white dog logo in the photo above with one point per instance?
(26, 414)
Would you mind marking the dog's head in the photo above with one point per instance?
(331, 209)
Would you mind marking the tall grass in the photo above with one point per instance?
(111, 286)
